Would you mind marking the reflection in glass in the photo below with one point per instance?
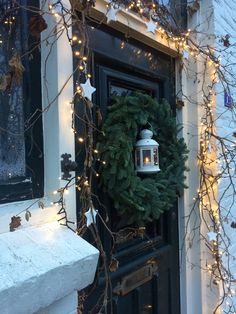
(12, 142)
(155, 157)
(138, 157)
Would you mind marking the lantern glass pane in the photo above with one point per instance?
(155, 156)
(138, 157)
(146, 157)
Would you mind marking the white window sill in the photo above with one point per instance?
(42, 264)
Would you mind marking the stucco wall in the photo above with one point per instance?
(41, 265)
(66, 305)
(225, 24)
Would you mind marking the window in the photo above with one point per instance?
(21, 145)
(177, 13)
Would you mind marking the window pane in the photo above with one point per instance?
(155, 157)
(12, 152)
(21, 141)
(138, 157)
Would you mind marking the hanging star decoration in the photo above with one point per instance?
(91, 216)
(88, 89)
(212, 236)
(151, 26)
(185, 54)
(111, 14)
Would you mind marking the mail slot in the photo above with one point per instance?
(136, 278)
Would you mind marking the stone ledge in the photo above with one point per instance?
(42, 264)
(66, 305)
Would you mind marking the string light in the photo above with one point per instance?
(205, 195)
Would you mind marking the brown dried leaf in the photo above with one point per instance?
(37, 24)
(5, 82)
(114, 265)
(193, 7)
(233, 225)
(17, 67)
(179, 104)
(41, 204)
(31, 57)
(225, 40)
(15, 223)
(99, 117)
(27, 215)
(141, 231)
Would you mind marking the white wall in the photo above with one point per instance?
(225, 23)
(66, 305)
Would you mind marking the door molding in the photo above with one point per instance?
(154, 74)
(193, 299)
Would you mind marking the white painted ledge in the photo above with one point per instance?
(66, 305)
(130, 23)
(42, 264)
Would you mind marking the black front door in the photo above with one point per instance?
(146, 280)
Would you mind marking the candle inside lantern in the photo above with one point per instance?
(146, 157)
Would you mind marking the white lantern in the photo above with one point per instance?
(146, 153)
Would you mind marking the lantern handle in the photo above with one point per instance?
(150, 126)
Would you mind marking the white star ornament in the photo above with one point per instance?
(151, 26)
(212, 236)
(111, 14)
(88, 89)
(185, 54)
(91, 216)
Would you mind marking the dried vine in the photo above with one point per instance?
(216, 153)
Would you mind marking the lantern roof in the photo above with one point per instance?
(146, 139)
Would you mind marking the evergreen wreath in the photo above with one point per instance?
(141, 199)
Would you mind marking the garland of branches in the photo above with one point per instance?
(138, 199)
(219, 269)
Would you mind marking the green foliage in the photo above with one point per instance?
(139, 199)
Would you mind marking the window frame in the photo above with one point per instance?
(32, 184)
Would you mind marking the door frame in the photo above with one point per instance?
(156, 77)
(197, 298)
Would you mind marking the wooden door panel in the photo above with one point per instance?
(135, 287)
(150, 298)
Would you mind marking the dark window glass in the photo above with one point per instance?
(21, 156)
